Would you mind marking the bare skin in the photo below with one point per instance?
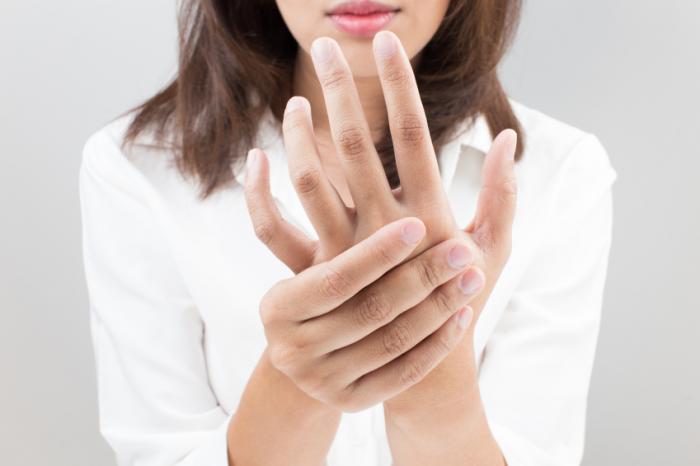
(410, 345)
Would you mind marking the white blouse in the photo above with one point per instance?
(174, 285)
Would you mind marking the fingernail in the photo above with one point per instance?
(471, 282)
(464, 317)
(322, 50)
(412, 233)
(459, 256)
(252, 159)
(296, 103)
(384, 44)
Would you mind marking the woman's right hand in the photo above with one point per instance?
(361, 327)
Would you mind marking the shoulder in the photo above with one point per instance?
(104, 162)
(565, 177)
(562, 159)
(104, 148)
(125, 236)
(138, 168)
(555, 143)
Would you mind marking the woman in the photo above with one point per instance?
(401, 336)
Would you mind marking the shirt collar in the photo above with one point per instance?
(471, 133)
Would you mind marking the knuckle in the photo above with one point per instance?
(335, 79)
(396, 339)
(267, 311)
(487, 237)
(396, 76)
(411, 128)
(317, 385)
(283, 356)
(288, 354)
(265, 316)
(504, 191)
(445, 344)
(509, 186)
(335, 398)
(264, 231)
(307, 179)
(352, 405)
(427, 274)
(351, 141)
(411, 372)
(346, 401)
(351, 400)
(334, 284)
(373, 309)
(443, 302)
(384, 253)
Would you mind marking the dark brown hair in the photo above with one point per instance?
(237, 57)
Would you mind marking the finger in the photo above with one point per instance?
(283, 239)
(325, 286)
(322, 203)
(382, 301)
(349, 129)
(415, 156)
(411, 367)
(492, 225)
(410, 328)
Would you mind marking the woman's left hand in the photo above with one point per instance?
(421, 194)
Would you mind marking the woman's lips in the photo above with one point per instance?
(362, 18)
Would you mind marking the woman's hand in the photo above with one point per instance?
(375, 203)
(488, 237)
(446, 402)
(337, 329)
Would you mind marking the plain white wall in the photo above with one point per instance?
(626, 70)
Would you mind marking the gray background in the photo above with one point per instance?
(626, 70)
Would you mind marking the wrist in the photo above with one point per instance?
(433, 415)
(454, 432)
(453, 384)
(274, 411)
(290, 396)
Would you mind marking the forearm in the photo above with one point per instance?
(437, 426)
(278, 424)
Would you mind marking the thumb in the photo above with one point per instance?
(492, 225)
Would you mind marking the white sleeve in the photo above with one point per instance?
(536, 367)
(155, 403)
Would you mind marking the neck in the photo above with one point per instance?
(369, 90)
